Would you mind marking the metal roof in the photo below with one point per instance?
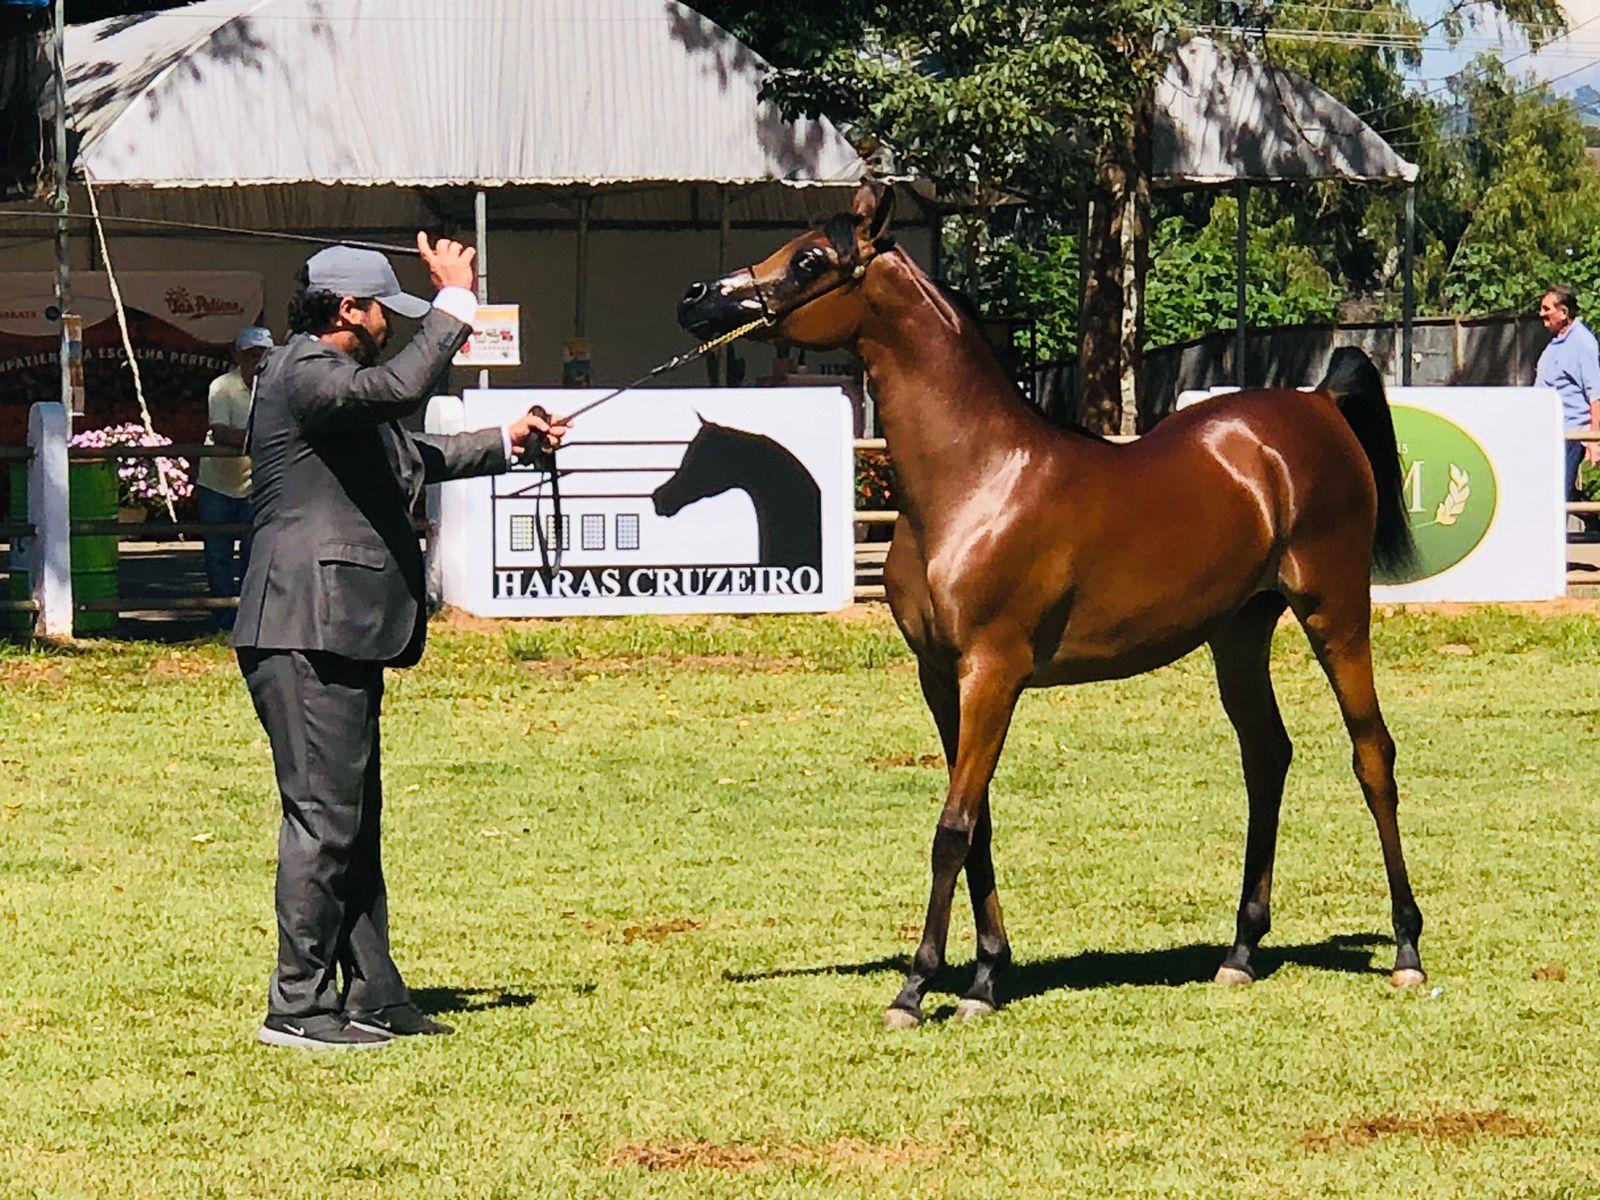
(419, 93)
(1222, 116)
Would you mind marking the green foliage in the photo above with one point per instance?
(1193, 289)
(988, 98)
(1534, 223)
(984, 98)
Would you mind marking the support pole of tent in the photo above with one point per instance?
(724, 227)
(1409, 303)
(63, 246)
(580, 298)
(1241, 273)
(480, 216)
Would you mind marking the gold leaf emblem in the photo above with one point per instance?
(1455, 500)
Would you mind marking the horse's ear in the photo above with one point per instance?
(874, 202)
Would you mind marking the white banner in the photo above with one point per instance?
(683, 501)
(1485, 489)
(210, 306)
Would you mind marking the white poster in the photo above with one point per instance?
(496, 339)
(682, 501)
(1485, 490)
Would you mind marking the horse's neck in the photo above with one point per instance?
(946, 407)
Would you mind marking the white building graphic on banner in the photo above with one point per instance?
(670, 501)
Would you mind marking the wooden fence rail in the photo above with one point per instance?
(869, 555)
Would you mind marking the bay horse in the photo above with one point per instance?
(786, 498)
(1026, 555)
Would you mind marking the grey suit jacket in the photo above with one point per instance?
(335, 564)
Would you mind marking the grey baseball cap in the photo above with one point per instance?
(364, 274)
(252, 337)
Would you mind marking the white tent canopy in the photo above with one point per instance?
(1223, 116)
(557, 92)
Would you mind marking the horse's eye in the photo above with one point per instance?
(811, 264)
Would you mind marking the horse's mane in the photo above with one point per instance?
(967, 309)
(957, 309)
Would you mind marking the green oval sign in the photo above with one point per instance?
(1449, 490)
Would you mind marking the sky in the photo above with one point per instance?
(1568, 63)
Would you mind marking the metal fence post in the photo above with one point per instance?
(50, 550)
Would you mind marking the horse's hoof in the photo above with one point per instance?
(900, 1018)
(974, 1010)
(1234, 977)
(1408, 977)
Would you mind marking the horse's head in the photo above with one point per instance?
(697, 475)
(809, 290)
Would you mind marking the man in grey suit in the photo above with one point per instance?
(333, 595)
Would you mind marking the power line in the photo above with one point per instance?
(1469, 71)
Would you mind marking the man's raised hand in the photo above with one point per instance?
(449, 263)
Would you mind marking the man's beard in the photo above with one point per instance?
(367, 347)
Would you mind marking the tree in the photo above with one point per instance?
(1043, 101)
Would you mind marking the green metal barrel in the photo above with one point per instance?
(91, 496)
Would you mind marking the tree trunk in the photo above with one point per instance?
(1116, 250)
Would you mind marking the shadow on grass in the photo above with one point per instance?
(1350, 954)
(480, 999)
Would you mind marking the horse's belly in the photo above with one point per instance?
(1120, 628)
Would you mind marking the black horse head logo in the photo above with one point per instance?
(787, 501)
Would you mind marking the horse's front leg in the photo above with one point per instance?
(987, 695)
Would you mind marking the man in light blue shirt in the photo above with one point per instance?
(1571, 365)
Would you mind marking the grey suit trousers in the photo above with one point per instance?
(320, 712)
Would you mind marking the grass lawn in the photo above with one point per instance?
(662, 876)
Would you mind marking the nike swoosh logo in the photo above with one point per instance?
(296, 1030)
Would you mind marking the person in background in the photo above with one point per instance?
(1571, 365)
(223, 492)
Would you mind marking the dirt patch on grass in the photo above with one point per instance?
(25, 672)
(1568, 606)
(1550, 973)
(1441, 1125)
(714, 1156)
(605, 665)
(184, 666)
(660, 931)
(889, 762)
(456, 618)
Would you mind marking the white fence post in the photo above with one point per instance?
(444, 415)
(50, 549)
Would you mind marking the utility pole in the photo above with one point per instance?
(63, 273)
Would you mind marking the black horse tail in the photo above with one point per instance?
(1357, 387)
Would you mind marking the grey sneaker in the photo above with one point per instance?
(323, 1032)
(398, 1020)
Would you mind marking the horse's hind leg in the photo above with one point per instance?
(1242, 651)
(1339, 629)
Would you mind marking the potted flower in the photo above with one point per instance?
(144, 485)
(875, 489)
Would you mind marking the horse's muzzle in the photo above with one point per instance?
(666, 501)
(709, 310)
(697, 311)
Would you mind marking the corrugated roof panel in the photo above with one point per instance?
(476, 92)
